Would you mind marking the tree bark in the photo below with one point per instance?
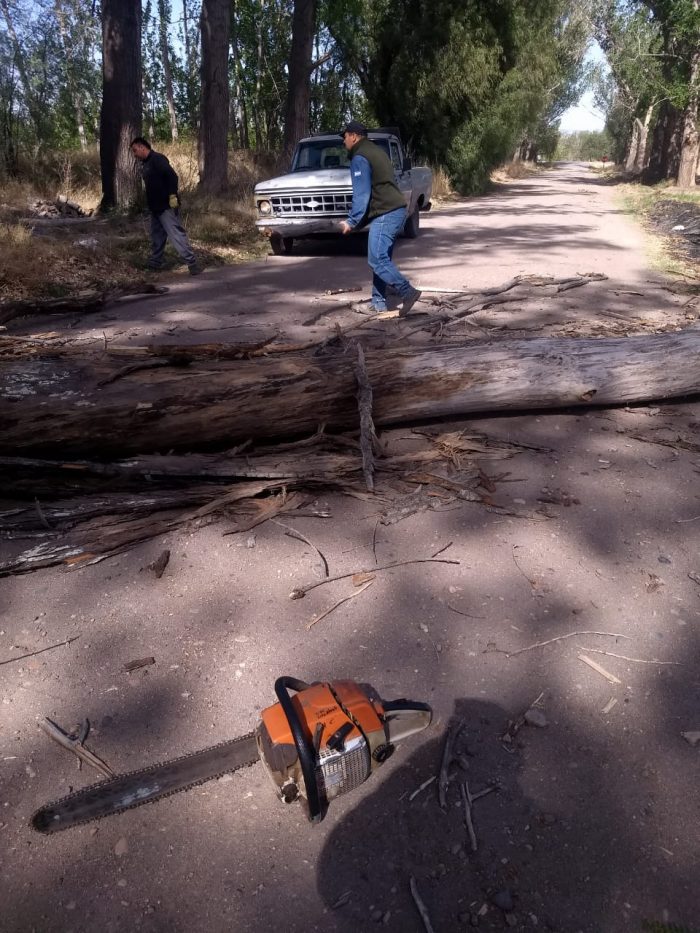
(73, 406)
(664, 156)
(121, 113)
(213, 130)
(690, 140)
(167, 70)
(296, 119)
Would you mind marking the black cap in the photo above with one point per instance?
(354, 126)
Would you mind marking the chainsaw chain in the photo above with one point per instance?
(75, 820)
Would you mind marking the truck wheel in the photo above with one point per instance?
(412, 226)
(281, 245)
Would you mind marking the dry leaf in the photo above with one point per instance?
(359, 578)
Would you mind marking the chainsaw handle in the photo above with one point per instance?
(305, 748)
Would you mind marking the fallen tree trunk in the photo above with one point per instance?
(73, 405)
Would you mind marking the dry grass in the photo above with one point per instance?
(222, 230)
(45, 267)
(442, 185)
(512, 171)
(642, 201)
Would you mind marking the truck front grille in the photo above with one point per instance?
(312, 203)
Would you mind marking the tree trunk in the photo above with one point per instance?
(93, 406)
(633, 152)
(70, 74)
(213, 129)
(296, 119)
(189, 66)
(167, 71)
(664, 157)
(690, 140)
(120, 116)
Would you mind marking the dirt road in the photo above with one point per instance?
(594, 828)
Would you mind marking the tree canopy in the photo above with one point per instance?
(469, 85)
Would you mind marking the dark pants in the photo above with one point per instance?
(164, 226)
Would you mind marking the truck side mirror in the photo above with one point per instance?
(407, 165)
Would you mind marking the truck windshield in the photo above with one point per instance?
(325, 153)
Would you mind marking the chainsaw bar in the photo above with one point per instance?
(126, 791)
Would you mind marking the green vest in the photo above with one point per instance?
(386, 196)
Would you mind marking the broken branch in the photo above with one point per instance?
(75, 746)
(340, 603)
(40, 651)
(300, 591)
(550, 641)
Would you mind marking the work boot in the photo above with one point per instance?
(194, 269)
(409, 301)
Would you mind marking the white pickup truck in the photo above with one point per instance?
(316, 195)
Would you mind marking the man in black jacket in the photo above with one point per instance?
(160, 180)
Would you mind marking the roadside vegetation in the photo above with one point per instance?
(51, 259)
(670, 215)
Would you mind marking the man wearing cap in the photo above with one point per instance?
(377, 201)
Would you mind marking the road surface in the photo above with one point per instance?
(594, 828)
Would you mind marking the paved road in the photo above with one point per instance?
(595, 826)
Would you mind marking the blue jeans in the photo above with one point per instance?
(383, 231)
(167, 225)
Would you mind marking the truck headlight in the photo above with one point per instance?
(264, 207)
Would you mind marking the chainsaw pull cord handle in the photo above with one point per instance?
(305, 748)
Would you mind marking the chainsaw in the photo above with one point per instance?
(316, 745)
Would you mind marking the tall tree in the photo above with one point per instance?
(689, 14)
(296, 118)
(120, 116)
(215, 26)
(30, 99)
(163, 23)
(631, 92)
(72, 65)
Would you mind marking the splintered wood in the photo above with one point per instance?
(78, 512)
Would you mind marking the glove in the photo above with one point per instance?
(173, 201)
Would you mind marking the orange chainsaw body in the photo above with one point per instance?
(326, 740)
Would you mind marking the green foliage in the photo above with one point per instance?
(487, 75)
(586, 146)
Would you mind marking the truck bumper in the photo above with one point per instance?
(297, 228)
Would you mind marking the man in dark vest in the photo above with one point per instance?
(160, 180)
(377, 201)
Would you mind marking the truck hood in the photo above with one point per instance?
(321, 178)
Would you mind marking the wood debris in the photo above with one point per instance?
(136, 665)
(158, 566)
(31, 654)
(422, 909)
(74, 744)
(611, 678)
(300, 591)
(340, 602)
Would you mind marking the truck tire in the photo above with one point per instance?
(412, 226)
(281, 245)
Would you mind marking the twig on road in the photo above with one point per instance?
(340, 603)
(31, 654)
(300, 591)
(550, 641)
(422, 909)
